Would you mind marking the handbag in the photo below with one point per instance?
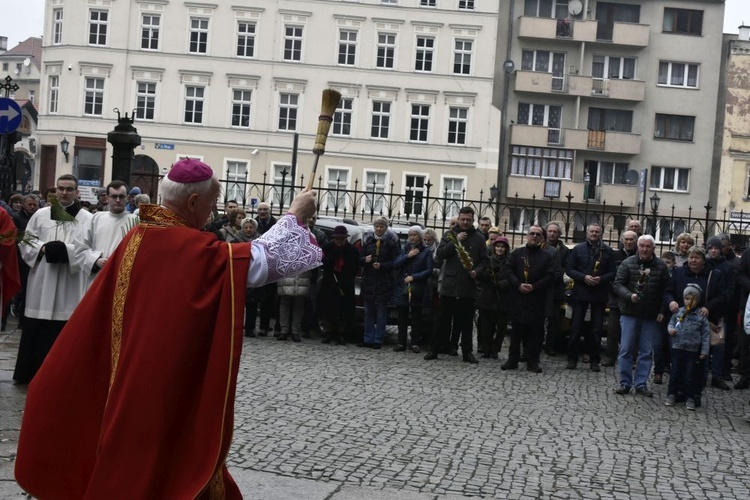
(716, 330)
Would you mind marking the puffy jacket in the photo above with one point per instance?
(653, 277)
(618, 256)
(457, 282)
(418, 267)
(713, 295)
(594, 260)
(377, 284)
(298, 286)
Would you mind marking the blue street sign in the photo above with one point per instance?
(10, 115)
(162, 145)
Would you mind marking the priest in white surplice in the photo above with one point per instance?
(56, 283)
(104, 231)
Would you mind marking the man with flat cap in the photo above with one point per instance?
(136, 399)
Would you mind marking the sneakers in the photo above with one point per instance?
(690, 405)
(622, 390)
(670, 400)
(643, 391)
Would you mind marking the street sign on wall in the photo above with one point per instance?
(10, 115)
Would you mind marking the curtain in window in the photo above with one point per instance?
(597, 68)
(628, 70)
(542, 61)
(663, 73)
(555, 113)
(682, 179)
(523, 113)
(655, 177)
(614, 67)
(692, 79)
(668, 181)
(527, 60)
(537, 115)
(678, 74)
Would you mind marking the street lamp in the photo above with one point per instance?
(64, 145)
(655, 210)
(495, 198)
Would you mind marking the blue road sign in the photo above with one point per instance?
(10, 115)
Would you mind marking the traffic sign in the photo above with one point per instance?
(10, 115)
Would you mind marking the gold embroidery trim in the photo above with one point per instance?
(118, 302)
(159, 216)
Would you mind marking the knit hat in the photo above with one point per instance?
(714, 241)
(694, 290)
(501, 240)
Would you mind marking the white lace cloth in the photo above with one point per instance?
(287, 249)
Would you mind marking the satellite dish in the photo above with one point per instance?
(632, 177)
(26, 62)
(575, 7)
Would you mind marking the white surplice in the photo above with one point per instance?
(53, 290)
(99, 238)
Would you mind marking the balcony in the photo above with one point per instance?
(626, 34)
(536, 81)
(613, 194)
(546, 28)
(582, 140)
(624, 90)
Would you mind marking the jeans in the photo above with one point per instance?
(682, 377)
(376, 316)
(637, 336)
(717, 361)
(593, 339)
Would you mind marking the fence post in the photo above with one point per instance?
(708, 207)
(569, 197)
(426, 206)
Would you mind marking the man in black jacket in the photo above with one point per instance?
(531, 272)
(555, 297)
(591, 267)
(464, 254)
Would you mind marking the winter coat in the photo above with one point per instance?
(418, 267)
(264, 226)
(618, 256)
(297, 286)
(529, 307)
(730, 280)
(336, 294)
(457, 282)
(495, 286)
(594, 260)
(232, 235)
(562, 253)
(377, 284)
(653, 277)
(713, 291)
(692, 333)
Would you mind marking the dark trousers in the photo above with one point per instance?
(37, 339)
(613, 334)
(461, 312)
(492, 329)
(403, 324)
(553, 340)
(592, 339)
(268, 306)
(530, 334)
(730, 339)
(662, 350)
(251, 314)
(744, 347)
(683, 376)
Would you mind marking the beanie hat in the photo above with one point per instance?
(694, 290)
(501, 240)
(714, 241)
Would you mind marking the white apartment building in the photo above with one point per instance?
(603, 96)
(231, 82)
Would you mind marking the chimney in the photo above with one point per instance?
(744, 32)
(3, 44)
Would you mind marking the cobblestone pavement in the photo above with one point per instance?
(331, 422)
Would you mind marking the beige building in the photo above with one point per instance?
(231, 83)
(602, 97)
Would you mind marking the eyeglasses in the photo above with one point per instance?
(66, 189)
(535, 234)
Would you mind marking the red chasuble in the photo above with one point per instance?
(11, 280)
(136, 397)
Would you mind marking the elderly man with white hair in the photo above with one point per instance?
(146, 368)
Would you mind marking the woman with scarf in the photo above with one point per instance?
(231, 232)
(493, 300)
(411, 292)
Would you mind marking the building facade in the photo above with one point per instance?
(610, 101)
(232, 83)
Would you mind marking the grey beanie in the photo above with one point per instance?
(714, 241)
(694, 290)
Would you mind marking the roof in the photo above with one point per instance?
(31, 48)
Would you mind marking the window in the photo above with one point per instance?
(610, 119)
(245, 39)
(338, 185)
(617, 68)
(5, 66)
(675, 74)
(458, 119)
(453, 195)
(89, 164)
(241, 108)
(283, 189)
(683, 21)
(386, 50)
(425, 54)
(347, 47)
(381, 119)
(145, 100)
(194, 104)
(606, 172)
(98, 27)
(389, 2)
(541, 162)
(293, 43)
(93, 103)
(198, 35)
(342, 118)
(546, 8)
(609, 13)
(465, 4)
(462, 57)
(420, 122)
(374, 189)
(415, 191)
(288, 106)
(150, 24)
(542, 115)
(670, 179)
(674, 127)
(546, 62)
(236, 178)
(54, 94)
(57, 26)
(428, 3)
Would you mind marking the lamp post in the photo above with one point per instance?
(123, 139)
(654, 211)
(64, 147)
